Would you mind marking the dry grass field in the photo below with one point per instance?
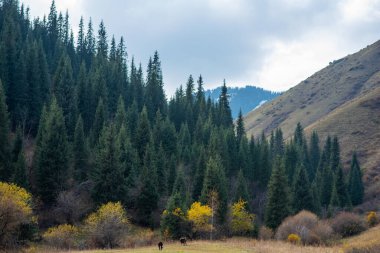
(367, 242)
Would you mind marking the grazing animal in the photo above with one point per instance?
(183, 241)
(160, 246)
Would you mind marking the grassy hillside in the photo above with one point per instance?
(342, 99)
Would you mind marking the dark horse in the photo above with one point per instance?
(160, 246)
(183, 241)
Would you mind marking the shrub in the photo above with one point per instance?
(241, 219)
(63, 236)
(372, 219)
(307, 226)
(15, 212)
(294, 238)
(200, 217)
(348, 224)
(265, 233)
(107, 226)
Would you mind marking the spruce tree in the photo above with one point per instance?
(147, 200)
(215, 181)
(314, 153)
(52, 161)
(143, 134)
(302, 194)
(224, 107)
(341, 189)
(355, 183)
(108, 177)
(5, 172)
(241, 188)
(240, 130)
(80, 152)
(277, 207)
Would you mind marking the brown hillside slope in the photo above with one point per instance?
(342, 99)
(357, 125)
(314, 98)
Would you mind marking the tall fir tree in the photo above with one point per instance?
(215, 181)
(302, 194)
(355, 183)
(5, 172)
(278, 199)
(80, 152)
(241, 188)
(52, 162)
(108, 177)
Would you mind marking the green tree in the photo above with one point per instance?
(215, 181)
(5, 173)
(241, 188)
(302, 194)
(341, 189)
(52, 161)
(277, 207)
(108, 176)
(80, 152)
(355, 183)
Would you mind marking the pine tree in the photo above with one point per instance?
(179, 187)
(215, 181)
(5, 173)
(341, 189)
(240, 130)
(224, 107)
(80, 152)
(64, 91)
(19, 174)
(108, 177)
(143, 135)
(241, 189)
(302, 194)
(335, 155)
(121, 115)
(355, 183)
(147, 200)
(314, 154)
(102, 44)
(277, 207)
(52, 156)
(99, 121)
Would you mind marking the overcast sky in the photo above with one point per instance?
(273, 44)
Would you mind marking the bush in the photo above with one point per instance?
(107, 226)
(348, 224)
(200, 217)
(294, 238)
(307, 226)
(241, 219)
(372, 219)
(15, 212)
(62, 237)
(265, 233)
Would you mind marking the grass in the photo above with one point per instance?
(367, 242)
(228, 246)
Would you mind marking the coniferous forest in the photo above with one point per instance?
(81, 125)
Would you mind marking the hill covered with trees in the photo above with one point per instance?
(100, 129)
(244, 98)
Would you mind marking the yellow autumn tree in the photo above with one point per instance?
(200, 216)
(241, 219)
(63, 236)
(107, 226)
(15, 211)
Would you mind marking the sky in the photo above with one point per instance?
(274, 44)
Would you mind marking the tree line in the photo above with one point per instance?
(78, 115)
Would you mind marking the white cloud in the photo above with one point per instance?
(354, 11)
(289, 62)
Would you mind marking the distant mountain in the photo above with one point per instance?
(246, 98)
(343, 99)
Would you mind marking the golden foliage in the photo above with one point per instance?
(372, 219)
(294, 238)
(200, 216)
(107, 226)
(63, 236)
(15, 210)
(241, 219)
